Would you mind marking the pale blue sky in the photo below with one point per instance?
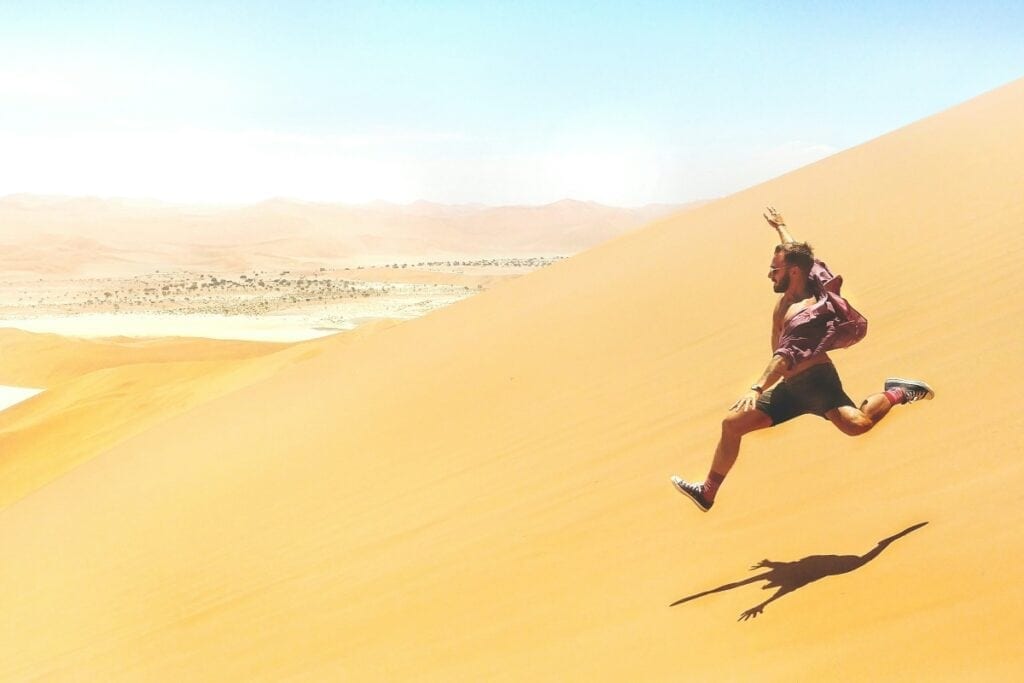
(516, 102)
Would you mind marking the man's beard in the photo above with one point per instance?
(783, 284)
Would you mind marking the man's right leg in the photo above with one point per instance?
(898, 391)
(734, 426)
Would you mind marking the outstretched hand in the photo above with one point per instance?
(773, 217)
(746, 402)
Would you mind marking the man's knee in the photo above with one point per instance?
(729, 425)
(854, 425)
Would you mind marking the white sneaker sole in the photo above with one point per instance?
(676, 484)
(929, 392)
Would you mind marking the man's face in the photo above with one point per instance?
(778, 273)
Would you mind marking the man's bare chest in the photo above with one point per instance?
(784, 312)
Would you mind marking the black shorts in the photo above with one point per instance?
(816, 390)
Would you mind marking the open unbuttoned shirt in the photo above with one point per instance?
(830, 323)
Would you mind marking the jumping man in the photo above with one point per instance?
(810, 319)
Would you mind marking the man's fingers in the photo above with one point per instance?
(743, 405)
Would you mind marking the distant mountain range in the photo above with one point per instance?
(82, 235)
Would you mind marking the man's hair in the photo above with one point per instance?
(797, 254)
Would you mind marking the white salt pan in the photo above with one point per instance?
(271, 328)
(10, 396)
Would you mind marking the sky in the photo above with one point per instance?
(458, 102)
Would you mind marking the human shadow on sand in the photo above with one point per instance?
(789, 576)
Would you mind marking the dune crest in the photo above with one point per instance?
(482, 493)
(99, 392)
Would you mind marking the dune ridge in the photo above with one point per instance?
(99, 392)
(482, 494)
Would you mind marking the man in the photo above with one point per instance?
(810, 319)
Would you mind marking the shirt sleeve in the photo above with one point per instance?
(824, 278)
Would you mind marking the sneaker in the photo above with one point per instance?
(694, 492)
(913, 389)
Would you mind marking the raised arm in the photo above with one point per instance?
(775, 220)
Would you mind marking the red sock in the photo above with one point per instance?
(895, 396)
(711, 484)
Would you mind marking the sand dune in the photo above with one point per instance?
(482, 494)
(100, 391)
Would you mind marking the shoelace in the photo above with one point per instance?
(690, 486)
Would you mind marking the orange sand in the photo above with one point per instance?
(482, 493)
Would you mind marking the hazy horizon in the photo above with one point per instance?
(214, 204)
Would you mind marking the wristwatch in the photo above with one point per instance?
(758, 388)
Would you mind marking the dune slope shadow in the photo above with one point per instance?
(789, 576)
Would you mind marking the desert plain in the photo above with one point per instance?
(481, 492)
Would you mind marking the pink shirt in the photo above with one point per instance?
(830, 323)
